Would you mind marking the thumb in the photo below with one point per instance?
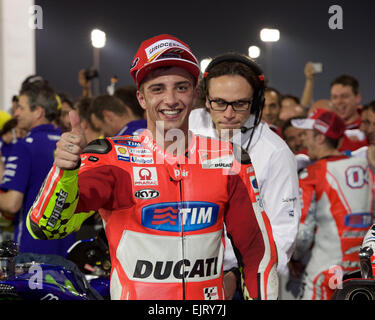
(75, 122)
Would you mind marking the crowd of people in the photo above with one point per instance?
(299, 209)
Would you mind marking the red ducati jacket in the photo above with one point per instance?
(164, 217)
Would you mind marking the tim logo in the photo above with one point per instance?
(128, 143)
(171, 216)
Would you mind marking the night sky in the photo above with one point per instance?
(210, 28)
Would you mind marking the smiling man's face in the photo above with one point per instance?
(168, 95)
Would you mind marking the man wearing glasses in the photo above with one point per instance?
(233, 92)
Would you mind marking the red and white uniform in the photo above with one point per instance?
(164, 218)
(276, 172)
(335, 217)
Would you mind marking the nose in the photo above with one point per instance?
(229, 113)
(170, 98)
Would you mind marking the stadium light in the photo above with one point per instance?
(204, 63)
(270, 35)
(98, 38)
(254, 52)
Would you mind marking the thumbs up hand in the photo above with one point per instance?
(71, 144)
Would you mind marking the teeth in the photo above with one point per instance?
(171, 112)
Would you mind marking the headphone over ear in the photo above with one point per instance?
(258, 96)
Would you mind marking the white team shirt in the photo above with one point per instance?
(276, 171)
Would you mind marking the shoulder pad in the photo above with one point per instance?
(240, 154)
(99, 146)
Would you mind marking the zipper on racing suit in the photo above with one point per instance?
(181, 213)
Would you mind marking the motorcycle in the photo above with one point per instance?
(359, 285)
(82, 275)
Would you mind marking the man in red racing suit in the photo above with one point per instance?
(164, 214)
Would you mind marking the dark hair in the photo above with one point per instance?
(201, 95)
(65, 97)
(41, 94)
(128, 95)
(369, 106)
(270, 89)
(290, 96)
(107, 102)
(286, 125)
(233, 68)
(32, 79)
(347, 80)
(83, 106)
(332, 143)
(8, 126)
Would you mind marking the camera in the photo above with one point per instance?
(91, 74)
(318, 67)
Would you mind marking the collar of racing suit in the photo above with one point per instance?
(152, 144)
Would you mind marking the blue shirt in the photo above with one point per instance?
(133, 128)
(6, 148)
(26, 166)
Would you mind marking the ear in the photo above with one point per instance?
(39, 112)
(359, 98)
(141, 99)
(320, 138)
(84, 124)
(207, 104)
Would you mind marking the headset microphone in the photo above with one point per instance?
(245, 129)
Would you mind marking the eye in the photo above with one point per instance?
(183, 87)
(219, 102)
(156, 89)
(240, 104)
(273, 105)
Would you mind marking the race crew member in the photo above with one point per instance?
(335, 206)
(28, 163)
(163, 198)
(233, 89)
(113, 117)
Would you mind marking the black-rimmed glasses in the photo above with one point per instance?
(222, 105)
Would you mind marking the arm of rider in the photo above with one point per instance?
(70, 145)
(60, 186)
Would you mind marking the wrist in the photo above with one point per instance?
(236, 272)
